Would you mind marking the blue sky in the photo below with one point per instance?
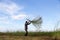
(13, 14)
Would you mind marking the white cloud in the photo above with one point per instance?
(19, 17)
(4, 20)
(12, 9)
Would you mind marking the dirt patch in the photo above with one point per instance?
(4, 37)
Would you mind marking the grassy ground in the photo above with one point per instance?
(31, 36)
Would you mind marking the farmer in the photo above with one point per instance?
(26, 27)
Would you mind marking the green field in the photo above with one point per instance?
(31, 35)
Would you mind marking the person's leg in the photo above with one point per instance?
(26, 33)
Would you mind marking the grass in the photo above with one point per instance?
(31, 35)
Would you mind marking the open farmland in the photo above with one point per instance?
(31, 36)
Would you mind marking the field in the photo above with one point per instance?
(31, 36)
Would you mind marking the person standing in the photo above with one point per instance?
(26, 27)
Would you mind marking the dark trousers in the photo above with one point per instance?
(26, 32)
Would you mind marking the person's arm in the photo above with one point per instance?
(28, 21)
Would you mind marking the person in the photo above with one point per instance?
(26, 27)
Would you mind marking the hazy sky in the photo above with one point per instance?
(13, 14)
